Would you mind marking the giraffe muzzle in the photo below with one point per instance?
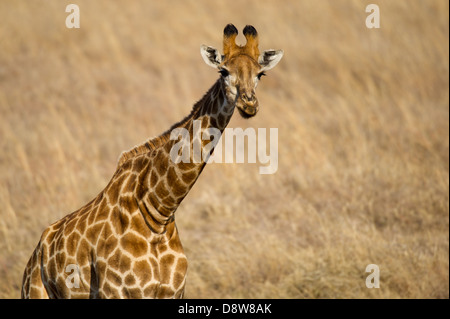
(248, 98)
(247, 105)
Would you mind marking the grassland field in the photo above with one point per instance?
(363, 138)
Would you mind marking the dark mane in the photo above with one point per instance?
(156, 142)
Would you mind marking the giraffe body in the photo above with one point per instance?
(124, 243)
(117, 256)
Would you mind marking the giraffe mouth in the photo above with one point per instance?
(248, 111)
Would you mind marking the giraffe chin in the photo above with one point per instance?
(247, 111)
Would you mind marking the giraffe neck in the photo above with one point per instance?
(168, 178)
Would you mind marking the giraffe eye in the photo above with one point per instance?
(260, 75)
(224, 72)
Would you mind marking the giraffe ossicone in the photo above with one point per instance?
(124, 243)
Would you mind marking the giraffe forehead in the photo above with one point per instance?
(243, 65)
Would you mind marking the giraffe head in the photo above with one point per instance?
(241, 67)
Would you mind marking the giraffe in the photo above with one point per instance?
(125, 243)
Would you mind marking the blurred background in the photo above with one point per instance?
(363, 124)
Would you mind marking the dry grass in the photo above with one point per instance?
(363, 119)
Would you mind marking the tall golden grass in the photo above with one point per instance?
(362, 116)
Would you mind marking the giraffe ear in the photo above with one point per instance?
(269, 58)
(211, 56)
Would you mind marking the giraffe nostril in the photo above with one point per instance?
(247, 97)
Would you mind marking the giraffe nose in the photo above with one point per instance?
(248, 98)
